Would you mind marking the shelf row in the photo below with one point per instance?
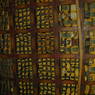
(46, 68)
(27, 88)
(47, 17)
(46, 43)
(24, 3)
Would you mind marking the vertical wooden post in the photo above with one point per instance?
(81, 46)
(34, 52)
(57, 60)
(13, 42)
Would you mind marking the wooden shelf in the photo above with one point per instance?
(7, 78)
(46, 56)
(90, 83)
(40, 56)
(53, 81)
(69, 82)
(45, 81)
(46, 3)
(89, 56)
(48, 29)
(1, 32)
(24, 31)
(58, 56)
(59, 81)
(15, 56)
(6, 55)
(58, 28)
(86, 28)
(89, 1)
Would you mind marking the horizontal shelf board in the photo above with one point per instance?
(69, 82)
(24, 31)
(86, 28)
(58, 56)
(48, 81)
(46, 3)
(44, 81)
(90, 83)
(45, 56)
(48, 29)
(89, 56)
(7, 78)
(89, 1)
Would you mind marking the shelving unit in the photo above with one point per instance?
(46, 47)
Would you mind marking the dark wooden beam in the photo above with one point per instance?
(11, 12)
(46, 3)
(81, 45)
(90, 83)
(34, 52)
(89, 1)
(58, 55)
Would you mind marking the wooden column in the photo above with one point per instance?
(13, 42)
(57, 59)
(34, 52)
(79, 4)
